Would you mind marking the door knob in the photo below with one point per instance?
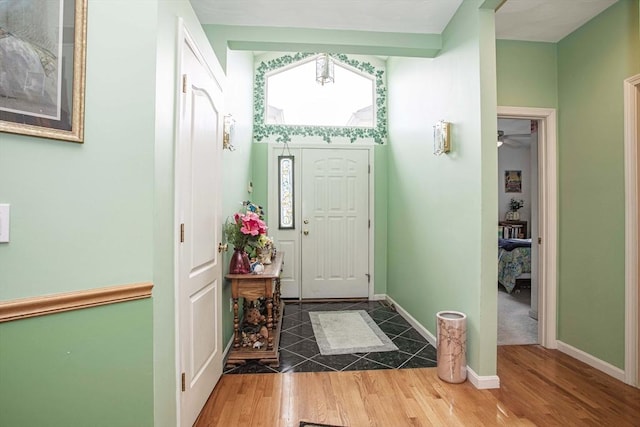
(222, 247)
(305, 232)
(306, 221)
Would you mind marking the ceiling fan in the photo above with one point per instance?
(515, 140)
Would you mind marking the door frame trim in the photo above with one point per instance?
(273, 147)
(632, 291)
(183, 37)
(547, 215)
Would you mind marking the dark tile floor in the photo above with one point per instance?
(299, 351)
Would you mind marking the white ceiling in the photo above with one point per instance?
(534, 20)
(545, 20)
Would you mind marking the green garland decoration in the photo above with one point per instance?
(284, 133)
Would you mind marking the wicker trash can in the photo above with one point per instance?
(452, 346)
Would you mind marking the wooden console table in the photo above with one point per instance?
(250, 287)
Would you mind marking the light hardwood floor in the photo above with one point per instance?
(538, 387)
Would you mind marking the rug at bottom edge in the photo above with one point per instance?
(307, 424)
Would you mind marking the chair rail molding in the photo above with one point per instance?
(48, 304)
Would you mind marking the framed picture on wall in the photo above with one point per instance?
(513, 181)
(42, 68)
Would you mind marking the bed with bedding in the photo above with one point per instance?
(514, 260)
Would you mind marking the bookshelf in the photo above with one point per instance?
(512, 229)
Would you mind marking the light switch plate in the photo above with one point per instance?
(4, 223)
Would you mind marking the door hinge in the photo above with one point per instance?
(368, 278)
(539, 240)
(184, 83)
(182, 233)
(368, 168)
(184, 382)
(369, 224)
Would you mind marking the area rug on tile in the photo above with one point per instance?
(349, 331)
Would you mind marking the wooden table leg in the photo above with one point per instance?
(236, 324)
(277, 299)
(270, 322)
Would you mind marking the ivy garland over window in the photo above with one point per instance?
(284, 133)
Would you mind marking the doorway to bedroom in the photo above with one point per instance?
(545, 237)
(518, 279)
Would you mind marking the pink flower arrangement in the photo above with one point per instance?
(244, 230)
(251, 224)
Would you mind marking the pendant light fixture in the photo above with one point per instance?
(324, 69)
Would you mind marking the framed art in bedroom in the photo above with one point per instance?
(513, 181)
(42, 68)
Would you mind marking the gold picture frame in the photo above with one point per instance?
(42, 94)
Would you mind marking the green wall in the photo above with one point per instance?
(237, 164)
(88, 367)
(81, 218)
(381, 200)
(527, 74)
(440, 207)
(77, 209)
(582, 77)
(592, 64)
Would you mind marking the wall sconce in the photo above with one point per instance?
(441, 138)
(227, 132)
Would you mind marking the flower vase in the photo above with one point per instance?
(239, 263)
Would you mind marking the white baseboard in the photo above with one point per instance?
(479, 382)
(592, 361)
(413, 322)
(379, 297)
(482, 382)
(227, 348)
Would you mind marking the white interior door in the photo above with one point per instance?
(335, 223)
(199, 209)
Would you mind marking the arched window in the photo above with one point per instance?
(292, 99)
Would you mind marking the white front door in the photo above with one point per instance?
(199, 210)
(335, 223)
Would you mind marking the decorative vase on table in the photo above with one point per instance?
(264, 255)
(239, 263)
(512, 216)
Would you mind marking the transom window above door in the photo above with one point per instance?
(326, 96)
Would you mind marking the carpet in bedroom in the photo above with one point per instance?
(515, 327)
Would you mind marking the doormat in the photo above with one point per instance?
(348, 331)
(306, 424)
